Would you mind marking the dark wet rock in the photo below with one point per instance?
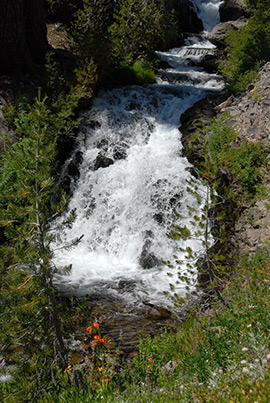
(163, 64)
(193, 171)
(219, 33)
(175, 199)
(103, 144)
(72, 173)
(202, 112)
(73, 168)
(147, 259)
(94, 124)
(187, 16)
(209, 63)
(231, 10)
(158, 310)
(102, 162)
(190, 63)
(159, 217)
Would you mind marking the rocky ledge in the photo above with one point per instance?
(249, 115)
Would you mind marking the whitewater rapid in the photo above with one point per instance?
(127, 205)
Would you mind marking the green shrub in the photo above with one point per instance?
(221, 134)
(143, 72)
(247, 48)
(245, 162)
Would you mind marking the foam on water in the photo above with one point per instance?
(126, 210)
(208, 11)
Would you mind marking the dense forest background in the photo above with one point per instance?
(107, 43)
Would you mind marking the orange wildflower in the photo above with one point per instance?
(104, 380)
(148, 367)
(103, 340)
(89, 329)
(96, 325)
(150, 360)
(97, 338)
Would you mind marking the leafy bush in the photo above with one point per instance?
(117, 34)
(247, 48)
(245, 162)
(219, 137)
(143, 72)
(242, 159)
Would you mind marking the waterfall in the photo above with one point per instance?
(133, 183)
(208, 12)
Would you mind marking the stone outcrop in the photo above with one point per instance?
(250, 114)
(252, 230)
(231, 10)
(187, 16)
(220, 31)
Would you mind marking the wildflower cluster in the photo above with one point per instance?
(98, 348)
(96, 337)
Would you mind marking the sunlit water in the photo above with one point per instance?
(126, 210)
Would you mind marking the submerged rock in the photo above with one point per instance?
(102, 162)
(147, 259)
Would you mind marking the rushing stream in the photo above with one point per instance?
(133, 180)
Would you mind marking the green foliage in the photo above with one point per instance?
(118, 35)
(143, 72)
(30, 327)
(223, 147)
(248, 48)
(245, 163)
(89, 34)
(219, 139)
(136, 27)
(218, 355)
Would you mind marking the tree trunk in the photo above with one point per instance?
(23, 39)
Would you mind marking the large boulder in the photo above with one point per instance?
(187, 16)
(219, 33)
(209, 63)
(232, 10)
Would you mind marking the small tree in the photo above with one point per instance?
(31, 329)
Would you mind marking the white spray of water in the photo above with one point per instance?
(208, 11)
(126, 209)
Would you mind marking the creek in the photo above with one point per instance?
(132, 185)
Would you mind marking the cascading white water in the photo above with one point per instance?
(132, 184)
(208, 12)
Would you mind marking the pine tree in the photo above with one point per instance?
(31, 330)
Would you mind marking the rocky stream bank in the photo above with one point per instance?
(250, 115)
